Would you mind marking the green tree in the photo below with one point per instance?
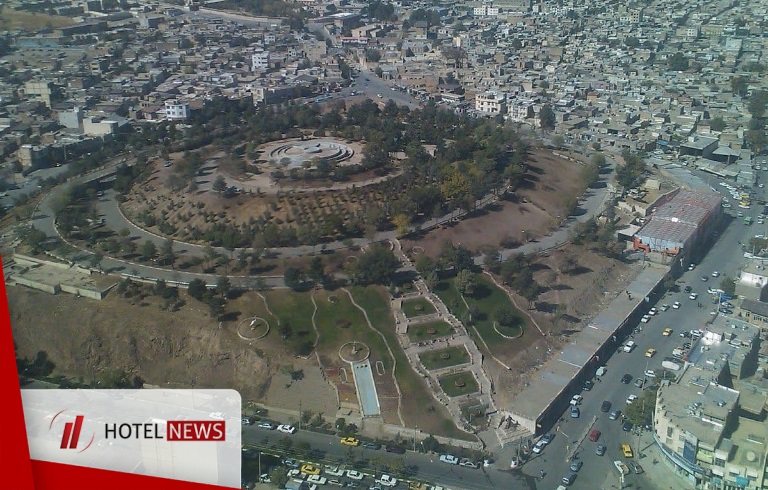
(293, 277)
(317, 270)
(376, 265)
(678, 62)
(466, 282)
(757, 103)
(547, 117)
(492, 260)
(223, 286)
(717, 124)
(507, 316)
(167, 255)
(197, 289)
(740, 86)
(728, 285)
(640, 412)
(219, 185)
(598, 159)
(148, 250)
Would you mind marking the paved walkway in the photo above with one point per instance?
(460, 337)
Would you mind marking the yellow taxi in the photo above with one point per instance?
(650, 352)
(626, 450)
(350, 441)
(667, 332)
(308, 469)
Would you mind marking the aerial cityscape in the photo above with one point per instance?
(433, 245)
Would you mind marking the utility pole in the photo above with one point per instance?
(299, 413)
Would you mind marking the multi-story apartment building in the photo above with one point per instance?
(709, 423)
(260, 60)
(490, 103)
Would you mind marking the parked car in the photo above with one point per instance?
(676, 305)
(372, 445)
(667, 332)
(355, 475)
(288, 429)
(615, 415)
(395, 449)
(588, 385)
(539, 446)
(594, 435)
(605, 406)
(449, 458)
(246, 421)
(548, 437)
(626, 450)
(600, 449)
(664, 307)
(309, 469)
(693, 296)
(631, 399)
(645, 319)
(576, 465)
(387, 481)
(576, 399)
(569, 478)
(636, 468)
(626, 426)
(639, 382)
(266, 425)
(468, 464)
(626, 379)
(575, 412)
(688, 289)
(350, 441)
(650, 352)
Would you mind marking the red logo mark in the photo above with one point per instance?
(71, 435)
(196, 430)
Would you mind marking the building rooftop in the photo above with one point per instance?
(749, 444)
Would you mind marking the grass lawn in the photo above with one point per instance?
(486, 299)
(429, 330)
(341, 322)
(418, 406)
(451, 356)
(417, 307)
(461, 383)
(294, 311)
(16, 19)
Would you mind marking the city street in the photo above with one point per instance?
(725, 257)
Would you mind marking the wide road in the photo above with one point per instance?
(725, 257)
(427, 466)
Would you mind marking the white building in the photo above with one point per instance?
(491, 103)
(485, 11)
(175, 109)
(260, 60)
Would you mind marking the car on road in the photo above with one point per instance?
(468, 464)
(685, 334)
(600, 449)
(626, 426)
(246, 421)
(576, 399)
(623, 469)
(667, 332)
(372, 445)
(704, 279)
(309, 469)
(650, 352)
(676, 305)
(626, 450)
(539, 446)
(631, 399)
(645, 319)
(615, 415)
(715, 274)
(288, 429)
(588, 385)
(548, 437)
(355, 475)
(636, 468)
(605, 406)
(379, 96)
(266, 425)
(688, 289)
(664, 307)
(649, 373)
(335, 483)
(576, 465)
(395, 449)
(320, 480)
(387, 481)
(350, 441)
(691, 267)
(569, 478)
(575, 412)
(653, 311)
(594, 435)
(687, 345)
(693, 296)
(334, 471)
(626, 379)
(449, 458)
(639, 382)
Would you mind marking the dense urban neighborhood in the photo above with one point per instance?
(433, 245)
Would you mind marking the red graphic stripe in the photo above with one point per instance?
(76, 433)
(13, 445)
(66, 435)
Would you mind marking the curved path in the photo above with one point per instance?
(107, 207)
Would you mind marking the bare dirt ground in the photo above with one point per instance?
(182, 349)
(540, 199)
(562, 310)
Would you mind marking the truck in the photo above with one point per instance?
(747, 220)
(623, 468)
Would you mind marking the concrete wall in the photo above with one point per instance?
(35, 285)
(87, 293)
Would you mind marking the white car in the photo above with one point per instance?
(650, 373)
(354, 475)
(693, 296)
(266, 425)
(715, 274)
(334, 471)
(288, 429)
(676, 305)
(539, 446)
(653, 311)
(664, 307)
(320, 480)
(449, 458)
(691, 267)
(387, 481)
(631, 398)
(645, 318)
(576, 400)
